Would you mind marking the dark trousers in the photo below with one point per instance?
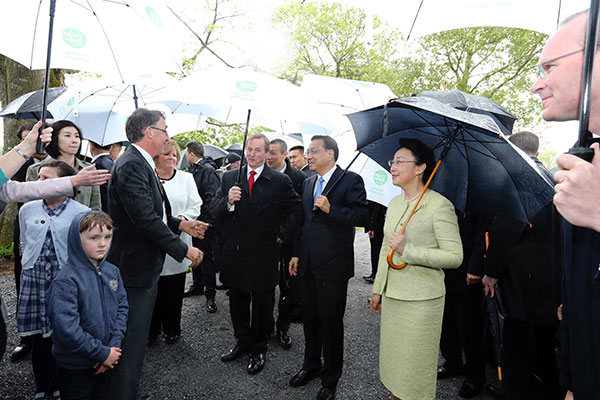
(42, 362)
(376, 241)
(82, 384)
(252, 332)
(167, 309)
(125, 380)
(462, 331)
(289, 293)
(529, 362)
(206, 274)
(323, 308)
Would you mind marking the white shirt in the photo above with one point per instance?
(105, 154)
(282, 170)
(326, 179)
(258, 171)
(150, 162)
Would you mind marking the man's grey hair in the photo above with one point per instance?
(260, 136)
(572, 17)
(195, 148)
(139, 121)
(527, 141)
(281, 143)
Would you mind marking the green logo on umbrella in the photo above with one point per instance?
(154, 17)
(74, 38)
(246, 86)
(380, 177)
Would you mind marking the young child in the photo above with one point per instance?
(88, 310)
(44, 226)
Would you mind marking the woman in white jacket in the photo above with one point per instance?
(185, 201)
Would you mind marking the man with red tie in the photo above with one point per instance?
(250, 212)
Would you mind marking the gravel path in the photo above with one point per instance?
(191, 369)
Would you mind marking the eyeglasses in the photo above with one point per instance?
(313, 151)
(541, 68)
(392, 163)
(160, 129)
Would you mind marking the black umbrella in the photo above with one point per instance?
(481, 173)
(29, 105)
(473, 103)
(497, 314)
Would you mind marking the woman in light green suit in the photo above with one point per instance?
(411, 300)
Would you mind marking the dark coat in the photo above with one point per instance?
(141, 238)
(297, 176)
(326, 245)
(250, 253)
(207, 182)
(104, 162)
(526, 261)
(306, 169)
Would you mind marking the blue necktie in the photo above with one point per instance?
(319, 189)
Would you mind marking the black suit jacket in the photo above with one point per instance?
(250, 251)
(306, 169)
(296, 176)
(326, 246)
(104, 162)
(141, 238)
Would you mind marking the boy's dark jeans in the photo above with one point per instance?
(82, 384)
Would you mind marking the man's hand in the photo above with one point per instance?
(278, 240)
(398, 242)
(371, 234)
(194, 228)
(489, 285)
(100, 368)
(235, 194)
(375, 303)
(472, 279)
(559, 312)
(110, 362)
(322, 203)
(569, 395)
(293, 267)
(90, 177)
(578, 189)
(195, 255)
(28, 145)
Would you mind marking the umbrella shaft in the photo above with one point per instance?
(41, 147)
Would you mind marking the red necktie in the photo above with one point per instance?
(251, 182)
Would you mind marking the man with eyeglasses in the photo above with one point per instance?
(334, 201)
(146, 231)
(576, 199)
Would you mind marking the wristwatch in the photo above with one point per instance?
(20, 152)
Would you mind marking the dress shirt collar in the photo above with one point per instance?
(258, 171)
(146, 155)
(97, 156)
(327, 176)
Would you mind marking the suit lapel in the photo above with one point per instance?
(309, 194)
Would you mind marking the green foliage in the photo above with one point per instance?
(548, 158)
(6, 251)
(218, 134)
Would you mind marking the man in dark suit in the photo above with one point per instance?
(250, 213)
(324, 259)
(146, 231)
(298, 160)
(289, 292)
(101, 158)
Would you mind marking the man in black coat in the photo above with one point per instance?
(250, 213)
(146, 231)
(203, 169)
(289, 293)
(334, 202)
(101, 158)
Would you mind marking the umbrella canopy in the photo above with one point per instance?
(473, 103)
(29, 105)
(482, 173)
(106, 37)
(101, 109)
(235, 148)
(227, 94)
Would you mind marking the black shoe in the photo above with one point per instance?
(284, 340)
(369, 278)
(194, 291)
(211, 306)
(172, 339)
(152, 340)
(444, 372)
(20, 351)
(233, 354)
(302, 377)
(256, 364)
(468, 389)
(326, 393)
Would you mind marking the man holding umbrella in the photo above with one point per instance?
(250, 205)
(577, 194)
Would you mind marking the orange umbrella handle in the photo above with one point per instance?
(390, 260)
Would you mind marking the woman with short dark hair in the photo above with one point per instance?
(411, 299)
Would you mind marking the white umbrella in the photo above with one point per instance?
(226, 95)
(118, 38)
(101, 109)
